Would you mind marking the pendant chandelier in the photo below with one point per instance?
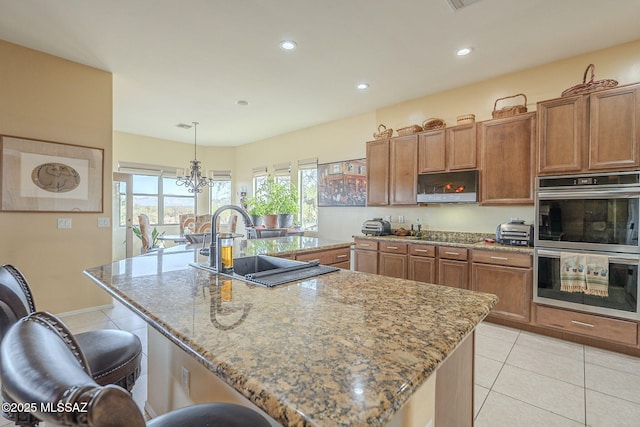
(194, 180)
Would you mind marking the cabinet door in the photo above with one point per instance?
(462, 147)
(431, 151)
(392, 265)
(422, 269)
(366, 261)
(561, 132)
(507, 158)
(403, 170)
(614, 122)
(512, 286)
(453, 273)
(378, 173)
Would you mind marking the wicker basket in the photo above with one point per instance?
(466, 119)
(383, 132)
(433, 124)
(511, 110)
(409, 130)
(591, 85)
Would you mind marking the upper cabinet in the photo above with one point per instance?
(507, 160)
(594, 132)
(392, 171)
(448, 149)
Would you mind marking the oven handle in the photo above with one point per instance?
(578, 193)
(630, 259)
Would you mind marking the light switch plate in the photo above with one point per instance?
(104, 222)
(64, 222)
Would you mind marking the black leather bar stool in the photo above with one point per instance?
(113, 356)
(42, 364)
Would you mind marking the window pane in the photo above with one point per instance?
(145, 184)
(176, 206)
(283, 179)
(309, 199)
(258, 182)
(220, 196)
(147, 205)
(170, 186)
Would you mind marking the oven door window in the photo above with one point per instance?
(623, 286)
(610, 221)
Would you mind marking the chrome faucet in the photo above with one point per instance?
(214, 253)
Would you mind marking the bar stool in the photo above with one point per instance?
(113, 356)
(42, 364)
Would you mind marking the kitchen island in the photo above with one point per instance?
(344, 348)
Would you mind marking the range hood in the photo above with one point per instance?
(448, 187)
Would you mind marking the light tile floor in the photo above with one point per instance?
(522, 379)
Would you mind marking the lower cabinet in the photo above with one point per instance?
(507, 275)
(422, 263)
(340, 257)
(366, 256)
(453, 267)
(392, 259)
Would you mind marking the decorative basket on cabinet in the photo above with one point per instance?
(409, 130)
(591, 85)
(433, 124)
(383, 132)
(511, 110)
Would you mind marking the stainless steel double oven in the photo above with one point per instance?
(589, 214)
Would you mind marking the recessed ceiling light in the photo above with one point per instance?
(288, 45)
(242, 102)
(464, 52)
(362, 86)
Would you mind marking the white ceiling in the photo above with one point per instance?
(191, 60)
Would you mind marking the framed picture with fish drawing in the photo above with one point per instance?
(47, 176)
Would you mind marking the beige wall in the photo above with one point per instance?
(45, 97)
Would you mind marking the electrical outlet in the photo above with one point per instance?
(401, 219)
(103, 222)
(64, 222)
(388, 218)
(186, 381)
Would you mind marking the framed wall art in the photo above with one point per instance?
(342, 183)
(49, 176)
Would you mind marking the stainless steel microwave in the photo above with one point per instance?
(448, 187)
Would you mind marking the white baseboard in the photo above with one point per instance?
(85, 310)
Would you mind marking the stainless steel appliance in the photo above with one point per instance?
(376, 227)
(515, 233)
(448, 187)
(594, 214)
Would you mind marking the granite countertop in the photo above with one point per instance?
(452, 239)
(341, 349)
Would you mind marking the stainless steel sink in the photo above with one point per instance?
(259, 263)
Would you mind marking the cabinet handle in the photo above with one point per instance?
(365, 244)
(575, 322)
(452, 253)
(501, 258)
(421, 250)
(341, 256)
(392, 247)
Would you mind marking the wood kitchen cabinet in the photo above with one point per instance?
(449, 149)
(340, 257)
(366, 256)
(392, 259)
(590, 133)
(403, 165)
(507, 157)
(507, 275)
(453, 267)
(392, 171)
(378, 173)
(422, 263)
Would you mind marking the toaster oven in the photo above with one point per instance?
(376, 227)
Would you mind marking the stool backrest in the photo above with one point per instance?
(16, 300)
(41, 364)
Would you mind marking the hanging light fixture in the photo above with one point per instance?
(194, 180)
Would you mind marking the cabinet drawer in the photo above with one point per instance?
(448, 252)
(328, 257)
(605, 328)
(366, 245)
(511, 259)
(422, 250)
(393, 247)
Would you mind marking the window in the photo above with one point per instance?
(161, 199)
(259, 178)
(221, 192)
(308, 178)
(282, 173)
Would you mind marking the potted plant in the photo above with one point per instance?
(285, 199)
(155, 234)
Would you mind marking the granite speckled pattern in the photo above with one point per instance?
(453, 239)
(341, 349)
